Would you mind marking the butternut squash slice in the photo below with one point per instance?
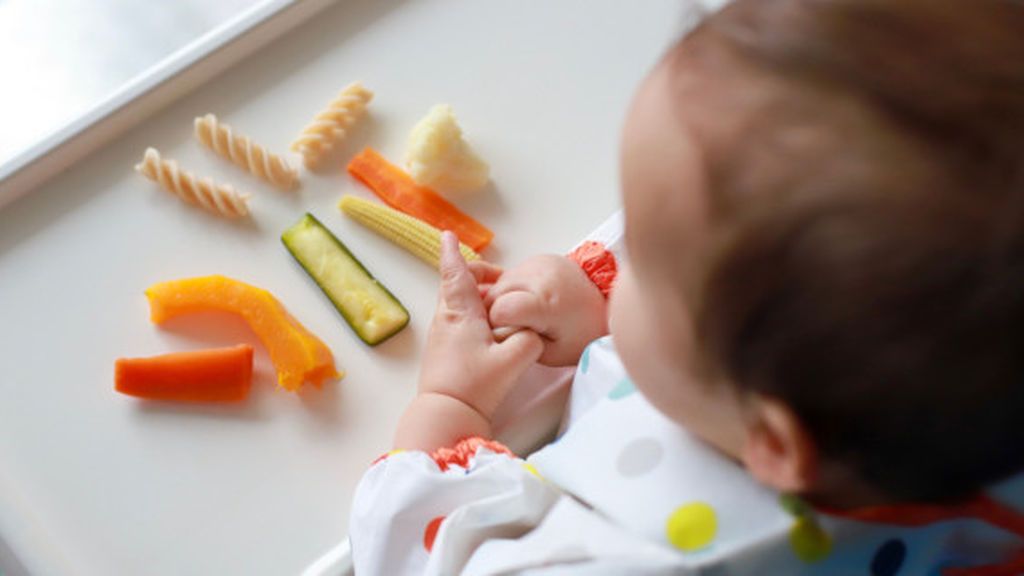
(298, 355)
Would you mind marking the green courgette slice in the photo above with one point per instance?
(369, 308)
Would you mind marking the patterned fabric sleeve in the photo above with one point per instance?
(412, 508)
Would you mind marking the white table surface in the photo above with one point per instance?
(93, 482)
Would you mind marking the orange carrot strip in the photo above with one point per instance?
(401, 192)
(215, 375)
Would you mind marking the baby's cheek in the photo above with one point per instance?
(626, 322)
(614, 306)
(653, 341)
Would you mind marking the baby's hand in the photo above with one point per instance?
(462, 360)
(553, 297)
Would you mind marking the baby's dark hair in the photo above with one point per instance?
(867, 260)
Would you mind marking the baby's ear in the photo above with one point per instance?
(778, 451)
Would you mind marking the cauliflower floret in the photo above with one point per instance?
(438, 156)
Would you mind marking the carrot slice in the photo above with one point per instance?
(297, 355)
(401, 192)
(216, 375)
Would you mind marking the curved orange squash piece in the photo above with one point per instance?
(297, 354)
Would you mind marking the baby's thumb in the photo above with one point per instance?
(520, 351)
(458, 287)
(520, 309)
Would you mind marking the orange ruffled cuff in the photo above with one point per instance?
(459, 454)
(598, 263)
(465, 449)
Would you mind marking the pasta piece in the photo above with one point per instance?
(220, 199)
(242, 151)
(330, 126)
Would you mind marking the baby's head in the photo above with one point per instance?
(825, 218)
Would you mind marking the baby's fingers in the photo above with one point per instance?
(484, 272)
(520, 309)
(519, 351)
(484, 290)
(459, 292)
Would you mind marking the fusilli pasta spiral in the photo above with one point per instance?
(244, 152)
(330, 126)
(220, 199)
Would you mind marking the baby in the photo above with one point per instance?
(821, 314)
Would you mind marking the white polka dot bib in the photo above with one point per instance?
(625, 491)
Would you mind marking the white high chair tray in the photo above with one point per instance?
(93, 482)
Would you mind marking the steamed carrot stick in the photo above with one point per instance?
(401, 192)
(215, 375)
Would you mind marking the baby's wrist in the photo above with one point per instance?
(436, 420)
(478, 398)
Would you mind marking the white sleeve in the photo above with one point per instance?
(573, 539)
(408, 512)
(611, 235)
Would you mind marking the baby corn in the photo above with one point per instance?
(413, 234)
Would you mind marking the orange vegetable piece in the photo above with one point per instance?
(401, 192)
(297, 354)
(217, 375)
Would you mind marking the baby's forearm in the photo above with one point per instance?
(435, 420)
